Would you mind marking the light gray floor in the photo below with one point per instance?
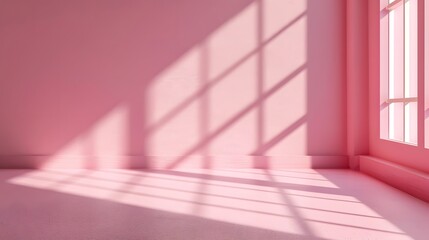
(205, 204)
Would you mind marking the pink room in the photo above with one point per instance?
(214, 119)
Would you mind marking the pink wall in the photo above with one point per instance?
(415, 157)
(155, 83)
(357, 83)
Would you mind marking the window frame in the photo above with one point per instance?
(387, 98)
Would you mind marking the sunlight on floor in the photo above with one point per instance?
(300, 202)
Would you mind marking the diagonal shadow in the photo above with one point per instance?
(75, 217)
(296, 215)
(58, 116)
(292, 186)
(212, 83)
(279, 137)
(237, 117)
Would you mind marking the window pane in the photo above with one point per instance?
(399, 70)
(410, 48)
(396, 121)
(410, 124)
(410, 69)
(396, 52)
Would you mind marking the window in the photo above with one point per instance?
(399, 38)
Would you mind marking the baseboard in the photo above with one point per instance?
(173, 162)
(244, 161)
(406, 179)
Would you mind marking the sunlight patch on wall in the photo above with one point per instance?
(95, 148)
(218, 90)
(178, 82)
(286, 53)
(233, 41)
(285, 125)
(278, 14)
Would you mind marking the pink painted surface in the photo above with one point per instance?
(205, 204)
(357, 84)
(415, 157)
(114, 84)
(409, 180)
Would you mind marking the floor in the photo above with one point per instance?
(205, 204)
